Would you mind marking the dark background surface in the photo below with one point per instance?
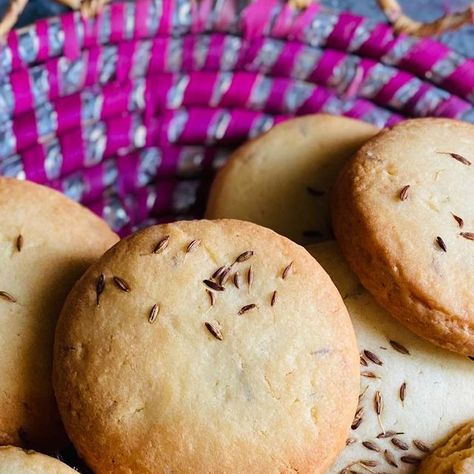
(462, 41)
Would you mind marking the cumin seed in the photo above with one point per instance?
(247, 307)
(421, 446)
(371, 446)
(441, 244)
(213, 285)
(467, 235)
(99, 287)
(122, 284)
(237, 280)
(274, 297)
(459, 220)
(378, 402)
(212, 297)
(155, 311)
(19, 243)
(402, 391)
(250, 277)
(404, 193)
(389, 434)
(457, 157)
(390, 458)
(372, 357)
(362, 394)
(216, 275)
(193, 245)
(399, 347)
(410, 459)
(224, 276)
(287, 271)
(214, 330)
(162, 244)
(369, 375)
(7, 297)
(244, 256)
(357, 418)
(400, 444)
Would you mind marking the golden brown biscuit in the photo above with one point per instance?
(46, 242)
(425, 391)
(18, 461)
(403, 215)
(282, 179)
(456, 456)
(161, 368)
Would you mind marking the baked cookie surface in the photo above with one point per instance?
(18, 461)
(282, 179)
(160, 367)
(46, 243)
(424, 392)
(456, 456)
(403, 215)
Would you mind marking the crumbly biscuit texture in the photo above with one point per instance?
(283, 178)
(46, 242)
(456, 456)
(18, 461)
(206, 346)
(424, 392)
(403, 216)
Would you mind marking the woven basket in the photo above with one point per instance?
(130, 112)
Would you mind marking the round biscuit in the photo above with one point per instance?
(403, 216)
(162, 367)
(425, 392)
(46, 242)
(282, 179)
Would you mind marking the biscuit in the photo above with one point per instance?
(206, 346)
(424, 391)
(46, 242)
(18, 461)
(403, 216)
(456, 456)
(281, 180)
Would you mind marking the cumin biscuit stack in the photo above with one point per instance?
(206, 346)
(282, 179)
(17, 461)
(403, 216)
(46, 242)
(412, 395)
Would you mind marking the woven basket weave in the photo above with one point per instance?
(130, 113)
